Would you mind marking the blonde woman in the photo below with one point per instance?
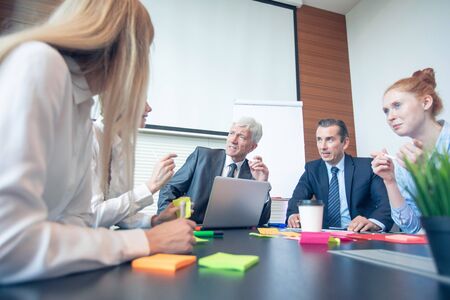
(47, 77)
(411, 105)
(121, 206)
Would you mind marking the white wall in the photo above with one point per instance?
(389, 40)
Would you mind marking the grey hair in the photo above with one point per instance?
(252, 125)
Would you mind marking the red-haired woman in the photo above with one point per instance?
(411, 106)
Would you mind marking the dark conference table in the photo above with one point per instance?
(286, 270)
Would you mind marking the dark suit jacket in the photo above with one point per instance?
(195, 179)
(366, 193)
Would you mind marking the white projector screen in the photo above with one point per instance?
(282, 145)
(208, 53)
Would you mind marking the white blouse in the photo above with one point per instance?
(45, 176)
(122, 206)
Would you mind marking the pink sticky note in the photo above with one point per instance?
(314, 238)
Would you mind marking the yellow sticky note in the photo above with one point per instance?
(163, 262)
(261, 235)
(334, 241)
(187, 206)
(269, 231)
(290, 234)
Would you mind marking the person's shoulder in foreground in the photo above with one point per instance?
(45, 198)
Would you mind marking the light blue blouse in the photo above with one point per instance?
(407, 217)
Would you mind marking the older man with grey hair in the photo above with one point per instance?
(196, 176)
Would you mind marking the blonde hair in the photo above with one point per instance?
(110, 40)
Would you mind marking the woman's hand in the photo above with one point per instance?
(162, 172)
(383, 166)
(412, 152)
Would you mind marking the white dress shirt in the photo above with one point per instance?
(226, 168)
(45, 175)
(122, 206)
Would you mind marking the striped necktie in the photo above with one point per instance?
(334, 203)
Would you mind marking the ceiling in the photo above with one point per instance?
(338, 6)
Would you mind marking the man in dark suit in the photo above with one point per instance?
(195, 178)
(354, 197)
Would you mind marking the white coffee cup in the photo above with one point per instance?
(311, 215)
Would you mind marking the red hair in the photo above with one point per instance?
(421, 83)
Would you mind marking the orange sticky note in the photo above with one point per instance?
(163, 262)
(407, 239)
(269, 231)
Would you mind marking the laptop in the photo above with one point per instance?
(235, 203)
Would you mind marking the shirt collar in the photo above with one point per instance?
(81, 90)
(443, 141)
(340, 165)
(229, 160)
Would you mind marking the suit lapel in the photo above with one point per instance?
(348, 172)
(325, 182)
(217, 164)
(245, 171)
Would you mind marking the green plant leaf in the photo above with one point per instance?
(431, 177)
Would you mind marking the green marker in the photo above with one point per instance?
(208, 234)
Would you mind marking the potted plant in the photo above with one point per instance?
(432, 196)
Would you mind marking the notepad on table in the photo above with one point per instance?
(163, 262)
(290, 234)
(268, 231)
(227, 261)
(406, 239)
(261, 235)
(314, 238)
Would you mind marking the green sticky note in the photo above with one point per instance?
(234, 274)
(200, 241)
(227, 261)
(187, 206)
